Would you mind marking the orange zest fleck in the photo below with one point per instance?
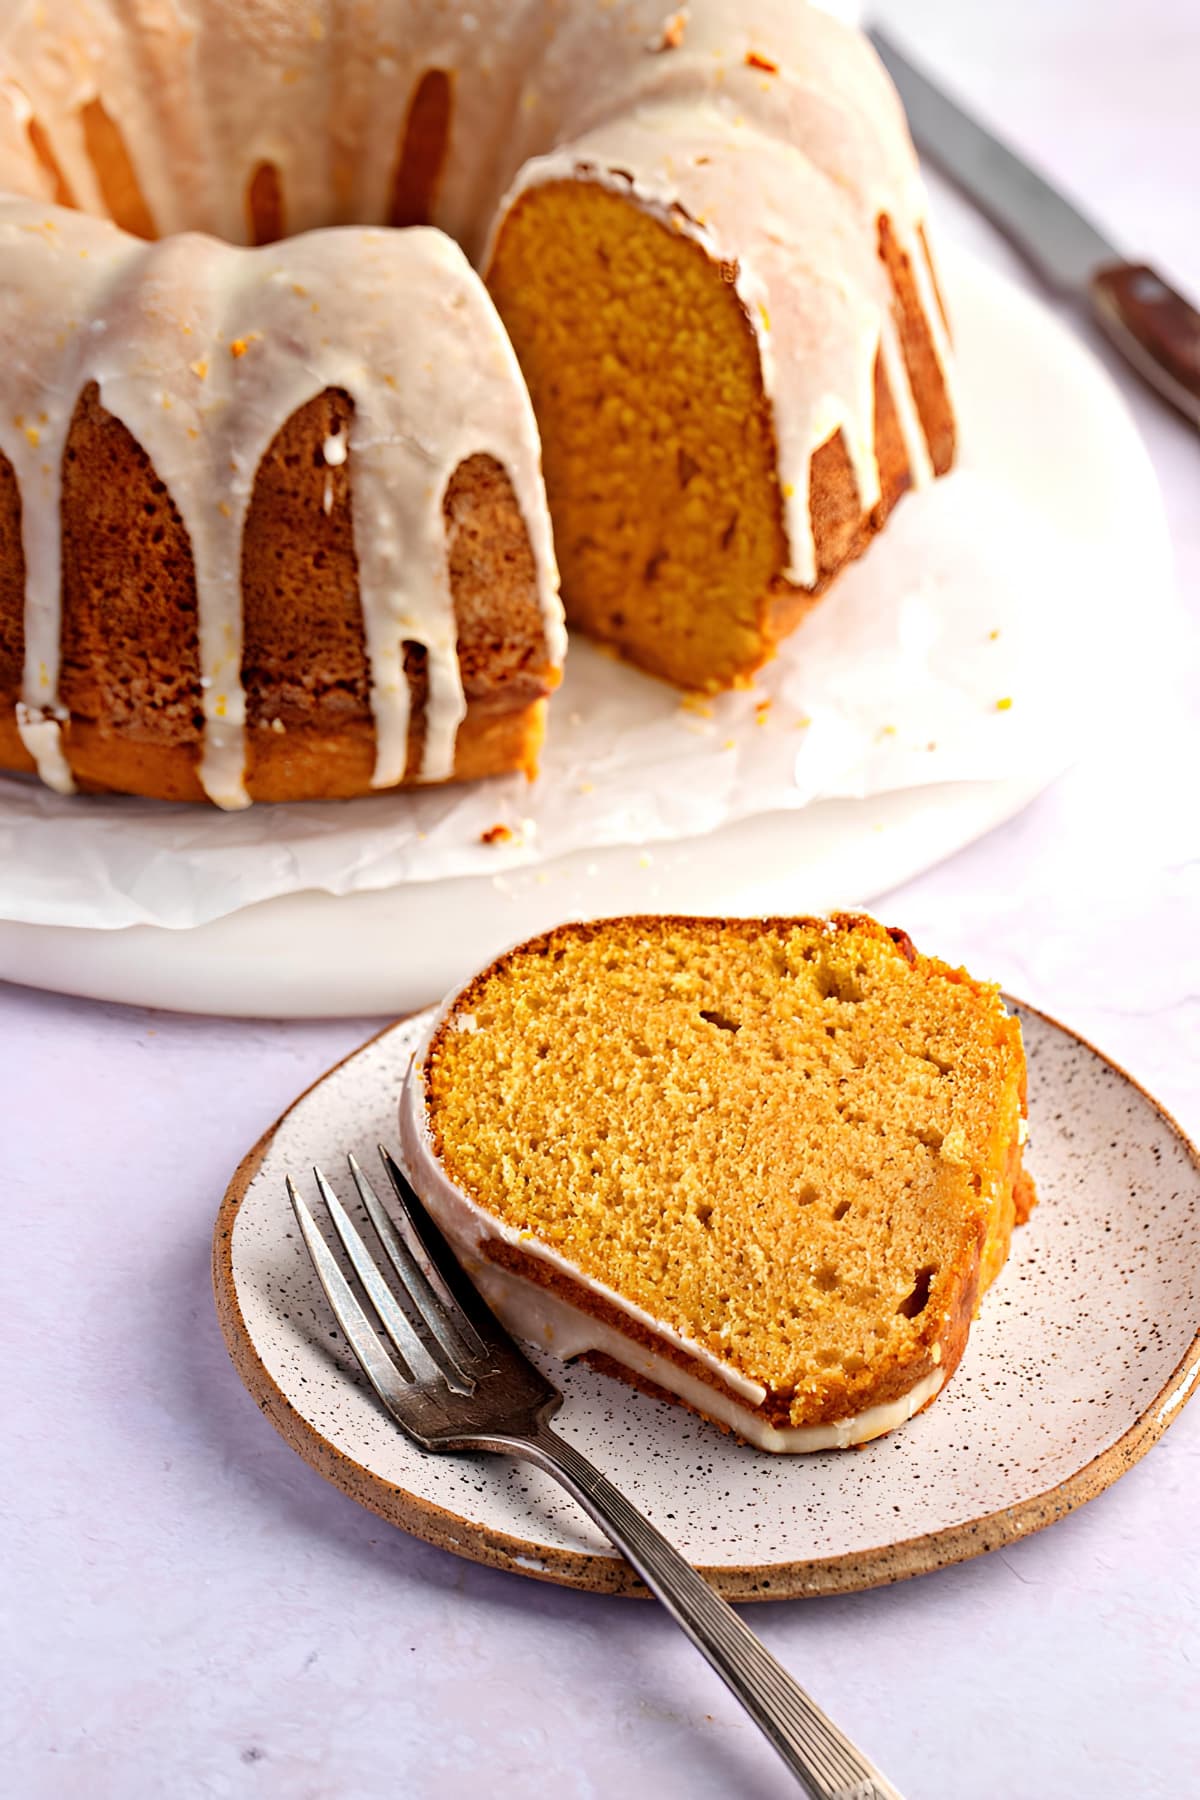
(673, 30)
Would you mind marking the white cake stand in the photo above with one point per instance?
(1044, 418)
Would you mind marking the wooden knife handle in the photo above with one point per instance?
(1155, 328)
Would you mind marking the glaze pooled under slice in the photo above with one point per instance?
(768, 1166)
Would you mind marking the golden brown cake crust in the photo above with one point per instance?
(892, 1381)
(130, 663)
(982, 1239)
(842, 529)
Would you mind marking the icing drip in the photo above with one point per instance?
(334, 449)
(42, 737)
(767, 132)
(541, 1318)
(203, 350)
(39, 259)
(805, 267)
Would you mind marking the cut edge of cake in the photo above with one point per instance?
(548, 1300)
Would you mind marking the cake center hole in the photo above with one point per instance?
(410, 198)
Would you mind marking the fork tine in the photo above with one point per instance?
(399, 1327)
(457, 1338)
(369, 1351)
(451, 1290)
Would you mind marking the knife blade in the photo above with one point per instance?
(1154, 327)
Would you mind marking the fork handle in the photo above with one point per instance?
(828, 1765)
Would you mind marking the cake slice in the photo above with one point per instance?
(764, 1166)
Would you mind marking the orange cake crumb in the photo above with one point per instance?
(795, 1143)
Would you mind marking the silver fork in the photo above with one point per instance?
(454, 1380)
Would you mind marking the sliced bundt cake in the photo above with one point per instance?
(767, 1166)
(272, 514)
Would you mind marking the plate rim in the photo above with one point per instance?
(595, 1572)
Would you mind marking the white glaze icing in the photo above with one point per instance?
(545, 1319)
(782, 175)
(203, 350)
(555, 1325)
(768, 132)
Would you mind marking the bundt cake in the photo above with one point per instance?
(272, 517)
(765, 1167)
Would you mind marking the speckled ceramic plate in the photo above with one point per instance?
(1086, 1348)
